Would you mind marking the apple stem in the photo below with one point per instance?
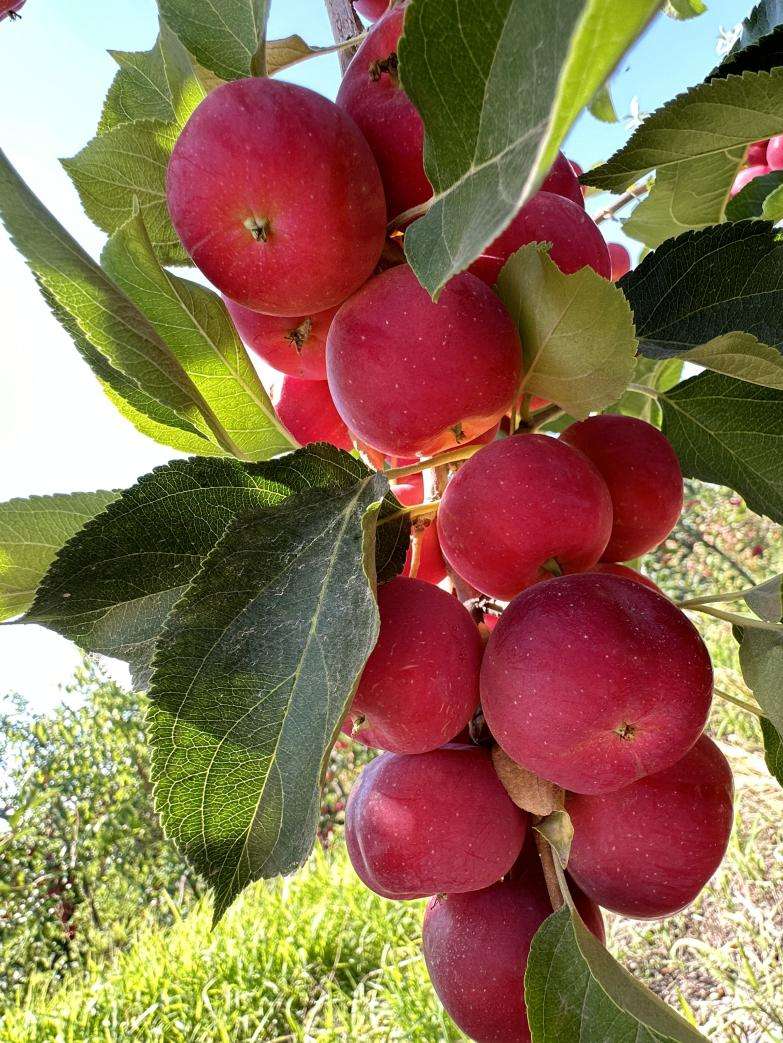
(404, 219)
(711, 599)
(739, 620)
(346, 26)
(451, 456)
(755, 710)
(557, 891)
(642, 389)
(541, 417)
(418, 510)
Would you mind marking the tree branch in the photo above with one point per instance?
(345, 25)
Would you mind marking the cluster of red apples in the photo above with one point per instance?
(762, 158)
(591, 678)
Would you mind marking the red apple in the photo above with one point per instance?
(774, 153)
(747, 175)
(295, 345)
(563, 180)
(620, 260)
(613, 569)
(371, 94)
(594, 681)
(432, 567)
(432, 822)
(305, 407)
(476, 948)
(420, 686)
(371, 10)
(413, 377)
(575, 237)
(516, 506)
(10, 8)
(648, 849)
(276, 196)
(643, 475)
(757, 153)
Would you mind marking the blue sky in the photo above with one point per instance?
(58, 432)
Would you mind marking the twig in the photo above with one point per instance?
(635, 192)
(345, 26)
(755, 710)
(737, 620)
(711, 599)
(451, 456)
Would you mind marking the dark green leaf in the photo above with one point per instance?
(226, 36)
(773, 749)
(759, 46)
(696, 288)
(496, 112)
(113, 585)
(576, 992)
(730, 433)
(32, 531)
(749, 201)
(253, 675)
(194, 323)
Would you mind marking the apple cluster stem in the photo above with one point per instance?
(749, 707)
(634, 192)
(451, 456)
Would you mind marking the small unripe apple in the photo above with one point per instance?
(648, 849)
(643, 475)
(420, 686)
(594, 681)
(306, 408)
(276, 196)
(520, 509)
(295, 345)
(410, 376)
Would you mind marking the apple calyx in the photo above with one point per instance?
(298, 336)
(388, 65)
(258, 228)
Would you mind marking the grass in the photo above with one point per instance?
(319, 958)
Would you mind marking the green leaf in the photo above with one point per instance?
(759, 47)
(602, 106)
(226, 36)
(766, 599)
(751, 201)
(32, 530)
(740, 355)
(126, 164)
(159, 85)
(773, 749)
(658, 375)
(490, 138)
(148, 416)
(254, 673)
(696, 288)
(684, 9)
(112, 586)
(95, 307)
(577, 332)
(729, 432)
(281, 54)
(729, 115)
(575, 992)
(194, 323)
(695, 169)
(761, 661)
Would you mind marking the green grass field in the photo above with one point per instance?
(319, 958)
